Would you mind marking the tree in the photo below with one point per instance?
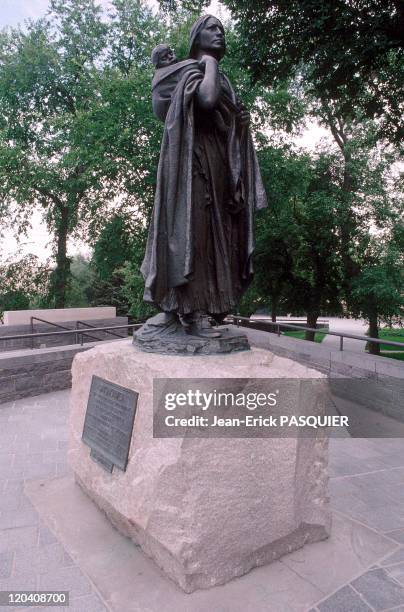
(114, 249)
(285, 175)
(349, 53)
(297, 253)
(377, 292)
(348, 58)
(75, 124)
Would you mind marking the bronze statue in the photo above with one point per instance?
(198, 259)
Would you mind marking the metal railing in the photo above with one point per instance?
(58, 325)
(79, 333)
(235, 319)
(238, 318)
(78, 323)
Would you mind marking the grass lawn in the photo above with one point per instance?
(399, 356)
(319, 337)
(395, 335)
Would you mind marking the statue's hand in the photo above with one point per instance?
(207, 60)
(244, 118)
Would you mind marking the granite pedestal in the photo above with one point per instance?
(206, 510)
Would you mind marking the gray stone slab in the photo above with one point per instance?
(22, 459)
(6, 564)
(39, 471)
(380, 589)
(9, 502)
(123, 574)
(19, 582)
(46, 536)
(18, 518)
(383, 519)
(41, 560)
(396, 572)
(350, 550)
(88, 603)
(84, 603)
(344, 600)
(19, 538)
(396, 557)
(128, 580)
(66, 579)
(397, 536)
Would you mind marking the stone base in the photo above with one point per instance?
(206, 510)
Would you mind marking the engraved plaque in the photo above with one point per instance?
(109, 422)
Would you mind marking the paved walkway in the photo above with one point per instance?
(349, 326)
(367, 492)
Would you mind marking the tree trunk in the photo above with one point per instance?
(374, 349)
(338, 130)
(274, 308)
(62, 270)
(311, 322)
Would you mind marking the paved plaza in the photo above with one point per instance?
(359, 569)
(356, 327)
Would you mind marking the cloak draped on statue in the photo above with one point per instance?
(201, 237)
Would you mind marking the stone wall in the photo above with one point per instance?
(374, 382)
(64, 340)
(23, 317)
(26, 373)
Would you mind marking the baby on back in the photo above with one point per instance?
(163, 56)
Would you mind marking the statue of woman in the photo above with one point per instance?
(198, 259)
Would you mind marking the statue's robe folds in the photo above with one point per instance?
(201, 238)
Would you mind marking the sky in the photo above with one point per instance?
(13, 12)
(38, 242)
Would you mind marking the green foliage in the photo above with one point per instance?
(348, 52)
(14, 300)
(132, 289)
(300, 335)
(23, 282)
(378, 289)
(393, 334)
(176, 6)
(121, 242)
(113, 247)
(81, 283)
(110, 293)
(133, 283)
(297, 264)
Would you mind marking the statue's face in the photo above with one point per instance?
(211, 39)
(166, 57)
